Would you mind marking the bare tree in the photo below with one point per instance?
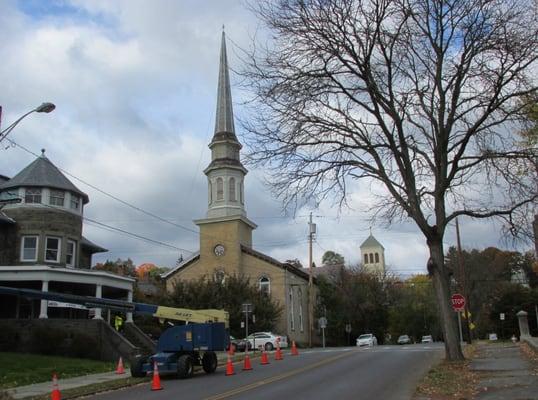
(420, 96)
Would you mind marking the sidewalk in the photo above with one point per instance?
(44, 388)
(504, 373)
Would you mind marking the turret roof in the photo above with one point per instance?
(371, 241)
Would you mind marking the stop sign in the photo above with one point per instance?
(458, 302)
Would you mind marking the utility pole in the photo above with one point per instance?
(311, 232)
(463, 283)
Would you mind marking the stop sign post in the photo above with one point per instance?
(458, 302)
(458, 305)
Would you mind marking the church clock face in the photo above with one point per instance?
(219, 250)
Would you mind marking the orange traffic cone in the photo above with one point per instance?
(229, 366)
(55, 395)
(120, 370)
(246, 365)
(156, 382)
(278, 354)
(265, 360)
(294, 351)
(231, 349)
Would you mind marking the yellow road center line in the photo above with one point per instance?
(285, 375)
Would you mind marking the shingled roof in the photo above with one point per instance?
(371, 241)
(42, 173)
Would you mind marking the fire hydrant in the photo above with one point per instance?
(513, 339)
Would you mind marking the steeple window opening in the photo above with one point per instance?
(366, 258)
(264, 285)
(232, 189)
(32, 195)
(376, 257)
(241, 192)
(371, 258)
(210, 192)
(220, 189)
(52, 249)
(57, 198)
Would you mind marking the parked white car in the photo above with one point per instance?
(427, 339)
(367, 339)
(268, 340)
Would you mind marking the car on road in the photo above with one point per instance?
(267, 340)
(427, 339)
(238, 344)
(368, 339)
(404, 339)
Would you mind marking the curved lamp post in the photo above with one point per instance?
(43, 108)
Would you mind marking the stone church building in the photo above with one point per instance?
(226, 231)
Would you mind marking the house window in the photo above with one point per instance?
(70, 253)
(57, 198)
(292, 316)
(220, 189)
(232, 189)
(371, 258)
(265, 285)
(29, 248)
(376, 257)
(32, 195)
(52, 249)
(366, 258)
(75, 202)
(300, 295)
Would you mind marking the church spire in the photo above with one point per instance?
(224, 121)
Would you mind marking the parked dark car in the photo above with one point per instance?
(238, 344)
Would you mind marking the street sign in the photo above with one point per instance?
(501, 316)
(458, 302)
(348, 328)
(323, 322)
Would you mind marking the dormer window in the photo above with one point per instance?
(75, 202)
(57, 198)
(32, 195)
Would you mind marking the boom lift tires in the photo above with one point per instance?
(209, 362)
(136, 367)
(185, 367)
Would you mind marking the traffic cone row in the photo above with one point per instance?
(55, 394)
(229, 366)
(294, 351)
(278, 353)
(264, 360)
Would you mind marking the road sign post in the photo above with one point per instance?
(323, 324)
(348, 331)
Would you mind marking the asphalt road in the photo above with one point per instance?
(380, 373)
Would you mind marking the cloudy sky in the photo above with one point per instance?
(134, 83)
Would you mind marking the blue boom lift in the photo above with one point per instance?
(179, 349)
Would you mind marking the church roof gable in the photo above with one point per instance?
(183, 264)
(371, 241)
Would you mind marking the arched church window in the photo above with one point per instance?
(376, 257)
(219, 276)
(241, 192)
(371, 258)
(220, 189)
(264, 285)
(210, 193)
(366, 258)
(232, 189)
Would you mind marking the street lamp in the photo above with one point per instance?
(43, 108)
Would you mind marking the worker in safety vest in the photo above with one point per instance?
(118, 322)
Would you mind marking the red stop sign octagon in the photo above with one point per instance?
(458, 302)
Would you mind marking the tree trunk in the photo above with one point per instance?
(441, 283)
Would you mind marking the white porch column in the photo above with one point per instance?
(130, 300)
(98, 294)
(44, 303)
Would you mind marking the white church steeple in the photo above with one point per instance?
(225, 174)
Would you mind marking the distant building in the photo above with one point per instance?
(373, 256)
